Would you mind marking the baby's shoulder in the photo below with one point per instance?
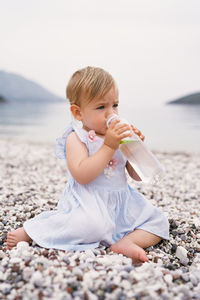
(74, 139)
(75, 148)
(72, 135)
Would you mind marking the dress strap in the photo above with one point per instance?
(60, 150)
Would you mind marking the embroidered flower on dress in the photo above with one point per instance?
(92, 136)
(112, 163)
(108, 171)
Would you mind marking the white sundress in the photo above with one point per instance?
(101, 212)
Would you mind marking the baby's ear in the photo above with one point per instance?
(76, 112)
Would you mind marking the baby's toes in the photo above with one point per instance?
(9, 234)
(8, 245)
(10, 240)
(144, 258)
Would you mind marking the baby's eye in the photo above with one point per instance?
(115, 105)
(100, 107)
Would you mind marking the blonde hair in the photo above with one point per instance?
(87, 84)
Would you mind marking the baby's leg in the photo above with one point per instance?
(16, 236)
(133, 243)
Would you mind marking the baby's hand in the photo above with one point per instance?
(138, 132)
(115, 133)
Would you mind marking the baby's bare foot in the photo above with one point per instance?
(16, 236)
(131, 250)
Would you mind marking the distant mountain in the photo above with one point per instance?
(192, 99)
(14, 87)
(2, 99)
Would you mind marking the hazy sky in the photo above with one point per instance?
(152, 48)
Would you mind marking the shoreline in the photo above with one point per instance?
(32, 181)
(20, 140)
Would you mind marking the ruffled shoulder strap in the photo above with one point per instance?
(60, 150)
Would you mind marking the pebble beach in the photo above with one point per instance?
(32, 180)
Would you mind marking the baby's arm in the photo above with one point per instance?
(86, 168)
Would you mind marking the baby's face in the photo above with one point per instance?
(95, 113)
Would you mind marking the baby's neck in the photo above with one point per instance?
(88, 129)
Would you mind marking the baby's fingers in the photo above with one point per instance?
(138, 132)
(142, 137)
(114, 123)
(125, 135)
(123, 128)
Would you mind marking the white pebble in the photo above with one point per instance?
(23, 246)
(2, 276)
(58, 278)
(104, 261)
(91, 275)
(37, 279)
(117, 280)
(92, 296)
(27, 273)
(77, 271)
(181, 252)
(126, 284)
(193, 279)
(15, 260)
(2, 254)
(89, 253)
(4, 261)
(4, 287)
(168, 279)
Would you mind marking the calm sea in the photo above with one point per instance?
(166, 127)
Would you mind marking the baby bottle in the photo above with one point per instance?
(139, 156)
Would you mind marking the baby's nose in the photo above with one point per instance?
(110, 111)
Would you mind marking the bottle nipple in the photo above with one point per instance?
(111, 118)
